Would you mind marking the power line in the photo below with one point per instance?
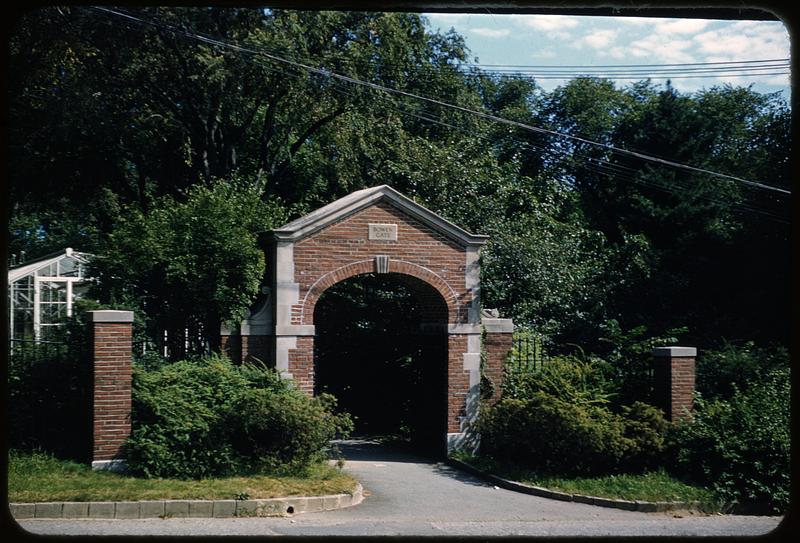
(598, 166)
(769, 60)
(640, 77)
(489, 116)
(601, 167)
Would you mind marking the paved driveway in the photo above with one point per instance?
(409, 495)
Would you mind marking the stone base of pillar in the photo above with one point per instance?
(117, 465)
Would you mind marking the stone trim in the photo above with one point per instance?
(675, 352)
(111, 315)
(295, 330)
(281, 507)
(629, 505)
(360, 267)
(358, 200)
(498, 326)
(472, 282)
(463, 328)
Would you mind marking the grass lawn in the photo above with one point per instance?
(39, 478)
(653, 486)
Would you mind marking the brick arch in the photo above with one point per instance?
(375, 230)
(362, 267)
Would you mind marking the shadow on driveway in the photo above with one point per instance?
(370, 450)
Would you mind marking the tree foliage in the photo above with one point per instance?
(111, 117)
(189, 264)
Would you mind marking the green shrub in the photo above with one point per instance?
(646, 427)
(550, 435)
(575, 381)
(557, 420)
(284, 430)
(740, 447)
(186, 416)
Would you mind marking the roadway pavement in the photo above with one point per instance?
(408, 495)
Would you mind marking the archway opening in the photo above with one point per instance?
(381, 349)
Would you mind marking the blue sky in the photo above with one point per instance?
(554, 40)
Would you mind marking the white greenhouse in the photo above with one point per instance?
(41, 293)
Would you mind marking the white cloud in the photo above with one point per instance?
(544, 53)
(548, 23)
(491, 32)
(680, 26)
(661, 48)
(447, 18)
(745, 40)
(600, 38)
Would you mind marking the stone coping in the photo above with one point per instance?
(272, 507)
(629, 505)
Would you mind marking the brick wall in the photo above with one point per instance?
(457, 382)
(248, 348)
(496, 345)
(342, 250)
(301, 364)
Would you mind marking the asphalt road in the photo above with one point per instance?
(410, 495)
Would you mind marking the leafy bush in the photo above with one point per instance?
(187, 415)
(283, 430)
(646, 427)
(557, 420)
(629, 355)
(550, 435)
(575, 381)
(720, 372)
(740, 447)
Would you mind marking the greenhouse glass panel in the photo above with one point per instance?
(61, 273)
(53, 291)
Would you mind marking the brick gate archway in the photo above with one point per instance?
(375, 230)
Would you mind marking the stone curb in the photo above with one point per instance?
(641, 506)
(273, 507)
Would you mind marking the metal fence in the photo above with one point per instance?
(27, 351)
(181, 345)
(527, 352)
(49, 393)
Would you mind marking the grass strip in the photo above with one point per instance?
(654, 486)
(39, 477)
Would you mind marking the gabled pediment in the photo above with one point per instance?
(361, 199)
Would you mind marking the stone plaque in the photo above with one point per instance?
(383, 232)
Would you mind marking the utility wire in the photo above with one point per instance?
(598, 166)
(770, 60)
(488, 116)
(626, 76)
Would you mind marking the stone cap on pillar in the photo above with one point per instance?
(111, 315)
(492, 323)
(675, 352)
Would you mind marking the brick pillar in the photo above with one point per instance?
(673, 380)
(232, 346)
(497, 343)
(111, 400)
